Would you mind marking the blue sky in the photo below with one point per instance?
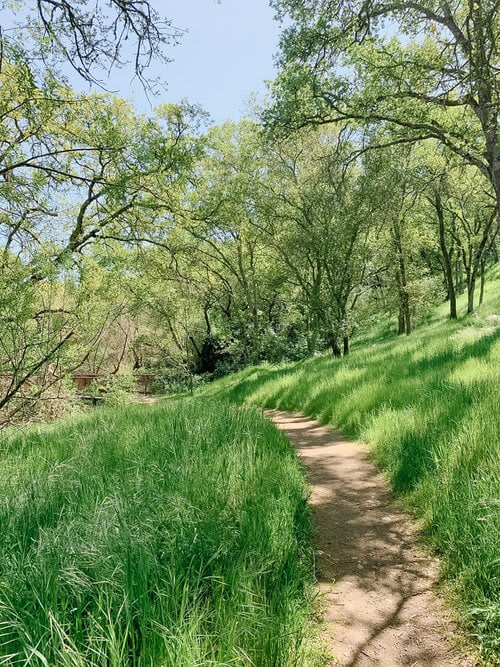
(226, 55)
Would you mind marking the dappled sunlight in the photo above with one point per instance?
(473, 372)
(377, 585)
(464, 337)
(428, 406)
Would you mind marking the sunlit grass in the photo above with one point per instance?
(170, 535)
(429, 407)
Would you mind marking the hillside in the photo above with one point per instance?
(428, 406)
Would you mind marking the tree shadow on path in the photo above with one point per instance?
(379, 586)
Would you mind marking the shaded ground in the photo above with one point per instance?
(380, 607)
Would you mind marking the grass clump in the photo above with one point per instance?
(429, 406)
(165, 535)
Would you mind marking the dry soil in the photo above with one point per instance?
(377, 585)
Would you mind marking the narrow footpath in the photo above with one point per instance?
(377, 585)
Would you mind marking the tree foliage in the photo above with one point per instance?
(75, 170)
(427, 70)
(145, 242)
(90, 36)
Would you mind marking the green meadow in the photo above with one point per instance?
(178, 534)
(171, 535)
(428, 405)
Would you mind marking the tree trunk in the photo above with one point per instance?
(448, 270)
(481, 291)
(471, 287)
(401, 321)
(251, 299)
(490, 128)
(404, 302)
(404, 315)
(459, 276)
(346, 345)
(334, 344)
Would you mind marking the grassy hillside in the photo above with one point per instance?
(170, 535)
(429, 407)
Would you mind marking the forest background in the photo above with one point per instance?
(368, 187)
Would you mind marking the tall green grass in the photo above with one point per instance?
(429, 406)
(170, 535)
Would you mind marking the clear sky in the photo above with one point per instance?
(226, 55)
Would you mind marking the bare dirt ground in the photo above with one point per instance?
(378, 586)
(146, 399)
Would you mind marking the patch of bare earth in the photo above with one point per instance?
(378, 586)
(146, 399)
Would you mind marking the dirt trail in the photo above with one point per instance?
(380, 607)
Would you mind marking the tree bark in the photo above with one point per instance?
(404, 303)
(401, 320)
(448, 270)
(481, 291)
(346, 345)
(335, 347)
(471, 288)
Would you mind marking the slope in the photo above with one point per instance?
(428, 405)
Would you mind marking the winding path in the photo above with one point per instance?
(378, 587)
